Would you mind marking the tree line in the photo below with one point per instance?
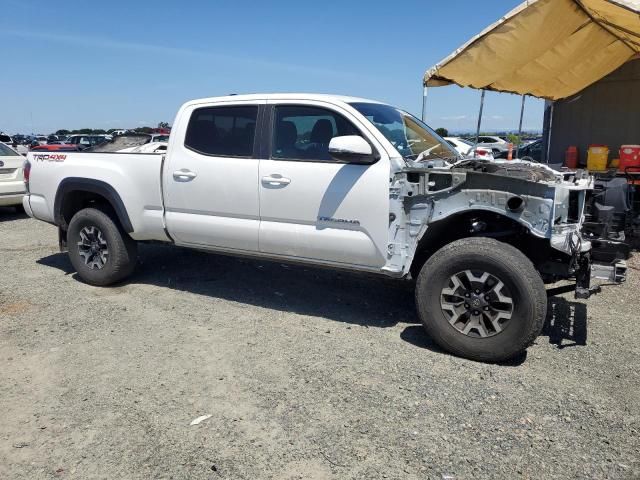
(100, 131)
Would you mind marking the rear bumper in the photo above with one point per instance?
(27, 206)
(11, 199)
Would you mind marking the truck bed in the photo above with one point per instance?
(136, 177)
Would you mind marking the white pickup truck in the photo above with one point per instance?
(340, 182)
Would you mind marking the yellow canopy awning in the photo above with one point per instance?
(546, 48)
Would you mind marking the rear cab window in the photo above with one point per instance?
(223, 131)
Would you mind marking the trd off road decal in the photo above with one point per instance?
(49, 157)
(339, 220)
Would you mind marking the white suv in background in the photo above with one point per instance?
(12, 187)
(466, 148)
(493, 143)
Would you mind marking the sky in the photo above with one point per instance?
(125, 64)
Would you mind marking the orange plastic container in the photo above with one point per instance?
(597, 158)
(629, 157)
(571, 157)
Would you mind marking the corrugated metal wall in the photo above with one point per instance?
(607, 112)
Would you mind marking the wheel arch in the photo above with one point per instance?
(461, 225)
(76, 193)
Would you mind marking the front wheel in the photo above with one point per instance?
(481, 299)
(100, 251)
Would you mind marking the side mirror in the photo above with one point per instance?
(351, 149)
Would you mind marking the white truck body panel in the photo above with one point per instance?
(219, 207)
(295, 216)
(136, 178)
(361, 216)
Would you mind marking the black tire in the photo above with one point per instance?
(507, 264)
(121, 249)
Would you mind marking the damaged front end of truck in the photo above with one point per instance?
(536, 209)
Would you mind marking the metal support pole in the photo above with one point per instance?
(550, 129)
(520, 126)
(424, 104)
(475, 147)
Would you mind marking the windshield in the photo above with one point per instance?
(6, 151)
(413, 139)
(5, 139)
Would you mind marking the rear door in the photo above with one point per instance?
(311, 206)
(211, 178)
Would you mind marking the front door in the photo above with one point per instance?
(312, 207)
(211, 180)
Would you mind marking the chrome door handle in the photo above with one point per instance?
(184, 175)
(276, 180)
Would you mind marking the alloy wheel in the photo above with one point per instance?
(476, 303)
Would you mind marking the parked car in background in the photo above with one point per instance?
(13, 143)
(493, 143)
(12, 187)
(151, 147)
(86, 141)
(466, 148)
(6, 139)
(532, 152)
(159, 137)
(56, 147)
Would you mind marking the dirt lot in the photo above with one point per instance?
(307, 374)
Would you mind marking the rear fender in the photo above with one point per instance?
(76, 184)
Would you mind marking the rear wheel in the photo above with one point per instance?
(100, 251)
(481, 299)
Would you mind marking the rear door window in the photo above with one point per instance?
(222, 131)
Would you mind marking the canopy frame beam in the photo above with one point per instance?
(424, 103)
(598, 22)
(524, 97)
(475, 146)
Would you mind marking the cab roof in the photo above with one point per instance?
(285, 96)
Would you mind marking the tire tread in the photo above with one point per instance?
(500, 252)
(122, 248)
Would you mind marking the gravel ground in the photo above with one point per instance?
(307, 374)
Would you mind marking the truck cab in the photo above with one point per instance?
(256, 174)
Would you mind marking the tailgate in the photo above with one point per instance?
(11, 174)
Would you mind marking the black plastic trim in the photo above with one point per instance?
(91, 185)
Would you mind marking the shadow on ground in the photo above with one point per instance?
(341, 296)
(566, 324)
(346, 297)
(8, 214)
